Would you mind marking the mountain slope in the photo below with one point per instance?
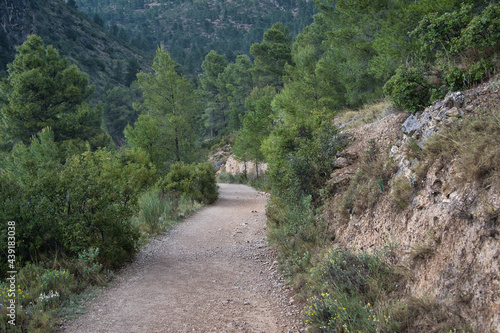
(191, 28)
(97, 52)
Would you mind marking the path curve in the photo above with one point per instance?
(211, 273)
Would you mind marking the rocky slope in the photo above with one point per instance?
(226, 162)
(443, 226)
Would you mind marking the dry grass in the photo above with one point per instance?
(422, 250)
(401, 192)
(366, 115)
(369, 183)
(473, 145)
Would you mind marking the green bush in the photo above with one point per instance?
(479, 71)
(455, 78)
(483, 31)
(156, 211)
(89, 269)
(67, 208)
(408, 89)
(295, 230)
(348, 288)
(195, 180)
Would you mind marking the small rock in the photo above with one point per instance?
(341, 162)
(411, 125)
(454, 112)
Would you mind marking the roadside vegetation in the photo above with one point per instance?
(82, 207)
(84, 196)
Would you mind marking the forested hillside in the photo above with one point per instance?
(104, 57)
(87, 174)
(190, 29)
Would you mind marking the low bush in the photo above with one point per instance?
(156, 211)
(408, 89)
(296, 231)
(195, 180)
(43, 293)
(348, 290)
(355, 291)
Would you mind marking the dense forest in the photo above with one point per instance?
(82, 166)
(190, 29)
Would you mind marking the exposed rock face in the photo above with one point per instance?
(233, 166)
(225, 161)
(457, 225)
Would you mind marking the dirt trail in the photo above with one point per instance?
(211, 273)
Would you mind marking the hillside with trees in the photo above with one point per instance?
(87, 177)
(190, 29)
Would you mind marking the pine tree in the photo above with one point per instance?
(271, 56)
(167, 126)
(216, 110)
(44, 90)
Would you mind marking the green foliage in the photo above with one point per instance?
(271, 56)
(43, 90)
(91, 197)
(190, 29)
(156, 211)
(460, 45)
(166, 129)
(300, 153)
(350, 288)
(194, 180)
(439, 35)
(236, 84)
(89, 269)
(483, 31)
(296, 231)
(216, 104)
(118, 110)
(408, 89)
(256, 125)
(103, 195)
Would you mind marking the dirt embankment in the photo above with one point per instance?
(447, 238)
(211, 273)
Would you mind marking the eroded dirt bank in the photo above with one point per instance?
(211, 273)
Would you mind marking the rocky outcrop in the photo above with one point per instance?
(447, 239)
(233, 166)
(225, 162)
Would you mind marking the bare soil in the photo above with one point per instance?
(214, 272)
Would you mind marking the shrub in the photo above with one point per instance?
(65, 209)
(348, 289)
(89, 269)
(101, 195)
(455, 79)
(195, 180)
(408, 89)
(296, 231)
(156, 211)
(483, 30)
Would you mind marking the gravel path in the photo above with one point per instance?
(211, 273)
